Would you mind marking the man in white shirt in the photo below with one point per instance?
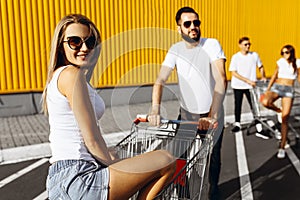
(200, 64)
(243, 68)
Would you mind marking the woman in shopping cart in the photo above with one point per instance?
(281, 86)
(81, 165)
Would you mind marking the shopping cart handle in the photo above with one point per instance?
(140, 118)
(144, 118)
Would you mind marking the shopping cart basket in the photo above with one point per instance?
(192, 151)
(264, 115)
(260, 113)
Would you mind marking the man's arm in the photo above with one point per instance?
(154, 117)
(262, 73)
(237, 75)
(219, 75)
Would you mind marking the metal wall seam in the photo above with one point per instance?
(3, 82)
(6, 50)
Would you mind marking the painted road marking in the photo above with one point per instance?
(246, 188)
(294, 159)
(22, 172)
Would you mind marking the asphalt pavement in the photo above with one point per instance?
(26, 137)
(250, 168)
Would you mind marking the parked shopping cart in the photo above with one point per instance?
(263, 115)
(192, 151)
(260, 113)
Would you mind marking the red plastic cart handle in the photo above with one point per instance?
(140, 118)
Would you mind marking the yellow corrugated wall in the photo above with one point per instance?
(136, 35)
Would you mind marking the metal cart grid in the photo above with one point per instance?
(192, 153)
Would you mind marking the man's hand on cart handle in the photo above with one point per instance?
(206, 123)
(252, 83)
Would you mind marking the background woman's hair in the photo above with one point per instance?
(57, 56)
(292, 57)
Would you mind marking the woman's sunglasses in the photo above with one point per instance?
(196, 23)
(285, 52)
(76, 42)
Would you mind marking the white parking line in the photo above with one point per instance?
(294, 159)
(246, 188)
(42, 196)
(22, 172)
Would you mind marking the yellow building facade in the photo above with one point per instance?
(136, 35)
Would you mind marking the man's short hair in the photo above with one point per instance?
(184, 10)
(243, 39)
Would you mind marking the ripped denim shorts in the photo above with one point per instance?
(77, 179)
(283, 90)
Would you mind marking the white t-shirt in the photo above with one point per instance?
(286, 70)
(193, 65)
(245, 65)
(66, 141)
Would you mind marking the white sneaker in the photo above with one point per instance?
(262, 135)
(277, 135)
(279, 117)
(286, 146)
(281, 153)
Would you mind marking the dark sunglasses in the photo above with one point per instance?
(76, 42)
(247, 44)
(285, 52)
(187, 24)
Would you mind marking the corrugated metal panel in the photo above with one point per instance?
(136, 35)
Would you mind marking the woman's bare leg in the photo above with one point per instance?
(287, 103)
(147, 173)
(269, 99)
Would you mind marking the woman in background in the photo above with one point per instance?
(281, 86)
(81, 164)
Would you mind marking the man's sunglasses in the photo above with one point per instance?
(247, 44)
(76, 42)
(187, 24)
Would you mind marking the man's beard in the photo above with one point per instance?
(189, 39)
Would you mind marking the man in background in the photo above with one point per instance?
(243, 68)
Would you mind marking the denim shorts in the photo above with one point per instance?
(283, 90)
(77, 179)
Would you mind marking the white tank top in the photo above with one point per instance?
(65, 138)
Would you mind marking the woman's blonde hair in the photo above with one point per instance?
(57, 55)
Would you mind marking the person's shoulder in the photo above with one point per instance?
(237, 54)
(70, 71)
(179, 44)
(208, 41)
(69, 75)
(280, 61)
(252, 53)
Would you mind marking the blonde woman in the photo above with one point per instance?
(81, 165)
(282, 86)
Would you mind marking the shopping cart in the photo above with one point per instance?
(260, 113)
(180, 138)
(263, 115)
